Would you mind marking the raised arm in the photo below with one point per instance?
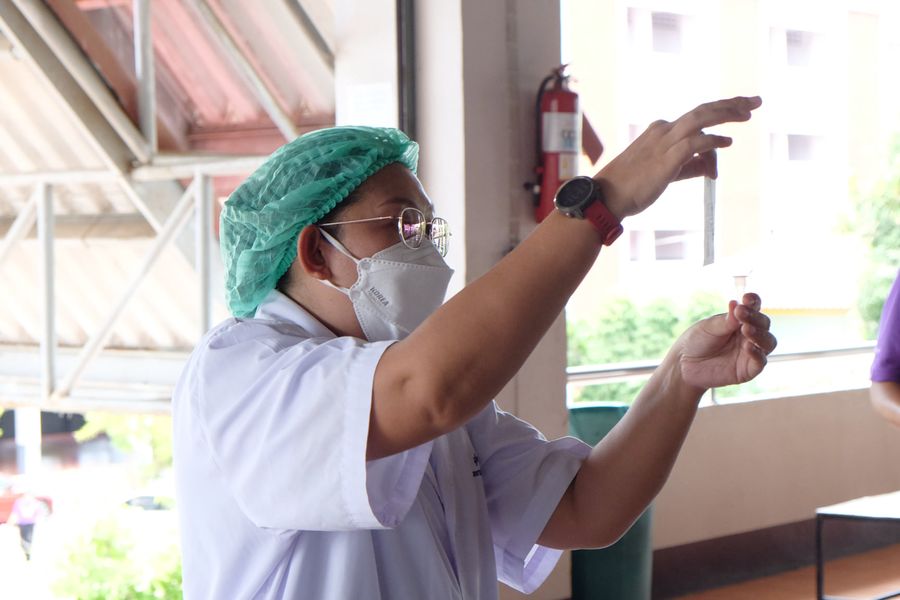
(629, 466)
(450, 367)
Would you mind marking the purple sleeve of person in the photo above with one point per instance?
(886, 366)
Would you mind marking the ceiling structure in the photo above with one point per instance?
(123, 126)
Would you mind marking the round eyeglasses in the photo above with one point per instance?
(413, 228)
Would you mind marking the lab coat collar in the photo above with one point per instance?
(278, 307)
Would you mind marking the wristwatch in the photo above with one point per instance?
(581, 198)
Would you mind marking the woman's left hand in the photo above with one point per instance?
(726, 349)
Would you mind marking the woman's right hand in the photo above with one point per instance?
(667, 152)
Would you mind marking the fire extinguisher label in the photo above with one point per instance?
(568, 166)
(561, 132)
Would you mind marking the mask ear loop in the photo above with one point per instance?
(337, 245)
(343, 250)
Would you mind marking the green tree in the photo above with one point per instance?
(103, 566)
(149, 436)
(876, 220)
(624, 332)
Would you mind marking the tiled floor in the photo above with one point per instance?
(869, 575)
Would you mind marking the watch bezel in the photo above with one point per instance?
(575, 208)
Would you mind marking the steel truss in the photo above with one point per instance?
(28, 379)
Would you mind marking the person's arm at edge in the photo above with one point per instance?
(884, 393)
(885, 398)
(450, 367)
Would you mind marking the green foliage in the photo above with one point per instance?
(104, 566)
(877, 222)
(625, 332)
(149, 436)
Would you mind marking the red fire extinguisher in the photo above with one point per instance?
(558, 136)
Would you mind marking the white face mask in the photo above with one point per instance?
(396, 289)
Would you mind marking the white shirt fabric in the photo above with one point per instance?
(276, 499)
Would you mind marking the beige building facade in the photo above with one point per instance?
(785, 189)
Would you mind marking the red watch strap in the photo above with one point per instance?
(603, 221)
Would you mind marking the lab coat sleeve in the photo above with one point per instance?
(286, 420)
(525, 476)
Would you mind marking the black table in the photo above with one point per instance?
(885, 507)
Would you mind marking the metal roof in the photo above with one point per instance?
(37, 135)
(232, 78)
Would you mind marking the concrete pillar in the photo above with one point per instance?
(478, 67)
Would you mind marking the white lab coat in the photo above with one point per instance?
(276, 499)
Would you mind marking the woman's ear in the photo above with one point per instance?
(310, 255)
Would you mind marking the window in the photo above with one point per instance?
(670, 245)
(797, 147)
(803, 147)
(633, 19)
(787, 220)
(640, 246)
(661, 245)
(667, 32)
(800, 48)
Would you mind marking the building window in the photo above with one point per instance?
(796, 147)
(803, 147)
(640, 245)
(800, 48)
(667, 32)
(670, 244)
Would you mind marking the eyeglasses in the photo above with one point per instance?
(413, 228)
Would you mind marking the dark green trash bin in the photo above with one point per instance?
(624, 570)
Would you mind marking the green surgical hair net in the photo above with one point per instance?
(298, 185)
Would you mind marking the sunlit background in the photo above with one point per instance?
(104, 286)
(807, 209)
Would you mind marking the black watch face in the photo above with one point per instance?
(575, 192)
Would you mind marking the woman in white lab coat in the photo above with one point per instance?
(338, 438)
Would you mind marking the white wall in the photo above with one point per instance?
(478, 66)
(760, 464)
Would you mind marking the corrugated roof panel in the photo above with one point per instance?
(91, 198)
(20, 318)
(37, 133)
(207, 104)
(197, 78)
(187, 48)
(191, 71)
(71, 199)
(91, 275)
(278, 45)
(12, 199)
